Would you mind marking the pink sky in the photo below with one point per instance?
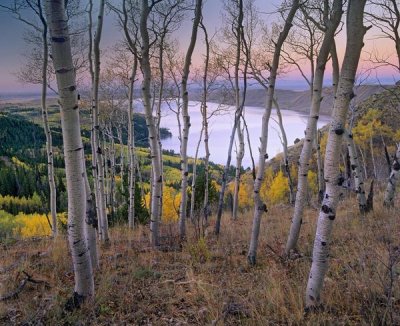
(13, 46)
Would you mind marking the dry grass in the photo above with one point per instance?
(209, 282)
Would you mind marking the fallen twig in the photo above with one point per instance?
(21, 286)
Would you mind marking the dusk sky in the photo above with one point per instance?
(13, 46)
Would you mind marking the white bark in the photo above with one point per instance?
(194, 176)
(356, 173)
(91, 220)
(259, 206)
(239, 130)
(96, 127)
(186, 121)
(206, 203)
(92, 135)
(393, 180)
(355, 35)
(285, 151)
(131, 150)
(239, 158)
(311, 129)
(73, 147)
(154, 148)
(47, 131)
(121, 156)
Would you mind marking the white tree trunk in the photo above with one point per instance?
(96, 126)
(285, 151)
(91, 220)
(237, 26)
(194, 176)
(92, 135)
(239, 159)
(154, 148)
(355, 35)
(206, 205)
(121, 156)
(186, 121)
(259, 206)
(393, 180)
(131, 149)
(356, 172)
(311, 129)
(47, 131)
(73, 147)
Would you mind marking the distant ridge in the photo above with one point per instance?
(299, 101)
(295, 100)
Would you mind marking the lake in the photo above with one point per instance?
(220, 127)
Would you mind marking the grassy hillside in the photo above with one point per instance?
(208, 282)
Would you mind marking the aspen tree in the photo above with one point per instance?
(393, 180)
(73, 148)
(355, 36)
(331, 23)
(154, 148)
(96, 126)
(260, 207)
(186, 121)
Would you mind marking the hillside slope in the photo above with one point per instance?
(294, 100)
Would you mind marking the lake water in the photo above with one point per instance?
(220, 127)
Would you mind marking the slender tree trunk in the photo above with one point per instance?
(47, 131)
(154, 148)
(356, 172)
(73, 148)
(393, 180)
(206, 204)
(112, 173)
(93, 134)
(364, 163)
(355, 36)
(131, 149)
(91, 220)
(121, 156)
(371, 146)
(194, 176)
(285, 152)
(259, 206)
(311, 129)
(320, 167)
(96, 125)
(186, 121)
(239, 130)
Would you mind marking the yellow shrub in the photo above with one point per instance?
(32, 225)
(312, 181)
(268, 178)
(171, 202)
(246, 191)
(279, 189)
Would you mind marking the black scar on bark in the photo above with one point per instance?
(58, 39)
(339, 131)
(323, 243)
(326, 209)
(332, 217)
(340, 180)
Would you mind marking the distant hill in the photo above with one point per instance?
(294, 100)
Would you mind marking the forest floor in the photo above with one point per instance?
(209, 282)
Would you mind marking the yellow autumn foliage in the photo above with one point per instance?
(312, 180)
(32, 225)
(171, 202)
(278, 191)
